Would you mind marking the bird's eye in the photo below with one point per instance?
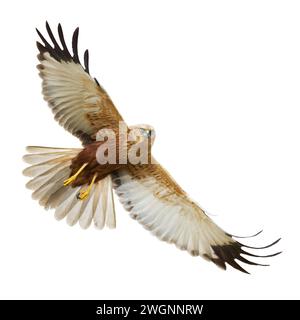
(145, 133)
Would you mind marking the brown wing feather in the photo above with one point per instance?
(77, 100)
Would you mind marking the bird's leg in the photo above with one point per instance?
(74, 176)
(82, 195)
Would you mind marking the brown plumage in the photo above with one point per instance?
(88, 155)
(63, 177)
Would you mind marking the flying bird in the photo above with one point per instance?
(80, 189)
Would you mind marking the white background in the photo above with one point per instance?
(219, 80)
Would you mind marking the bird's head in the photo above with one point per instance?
(142, 132)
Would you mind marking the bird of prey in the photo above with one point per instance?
(80, 189)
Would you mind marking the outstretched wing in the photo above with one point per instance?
(155, 200)
(77, 100)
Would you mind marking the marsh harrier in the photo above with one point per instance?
(72, 181)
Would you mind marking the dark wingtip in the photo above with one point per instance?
(63, 43)
(235, 265)
(75, 45)
(39, 46)
(40, 35)
(260, 256)
(264, 247)
(59, 51)
(233, 252)
(227, 254)
(242, 259)
(217, 261)
(246, 237)
(86, 61)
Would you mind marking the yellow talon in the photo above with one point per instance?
(74, 176)
(84, 194)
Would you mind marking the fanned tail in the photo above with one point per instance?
(49, 168)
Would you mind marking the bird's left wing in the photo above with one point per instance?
(155, 200)
(77, 100)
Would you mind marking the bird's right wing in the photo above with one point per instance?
(77, 100)
(155, 200)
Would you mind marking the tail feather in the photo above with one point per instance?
(87, 216)
(104, 209)
(65, 206)
(110, 206)
(49, 158)
(40, 149)
(46, 190)
(49, 168)
(58, 197)
(39, 179)
(76, 211)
